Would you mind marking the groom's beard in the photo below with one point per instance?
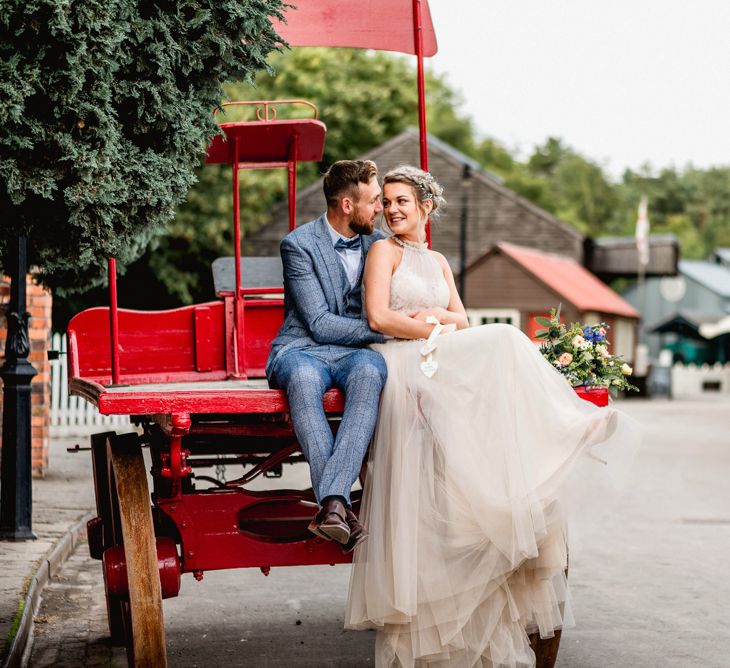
(361, 225)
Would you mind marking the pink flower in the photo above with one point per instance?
(602, 330)
(602, 351)
(565, 359)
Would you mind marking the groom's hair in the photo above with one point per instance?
(343, 178)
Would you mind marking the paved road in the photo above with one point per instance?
(649, 576)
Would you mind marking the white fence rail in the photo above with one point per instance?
(70, 415)
(694, 381)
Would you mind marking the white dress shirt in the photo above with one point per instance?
(350, 258)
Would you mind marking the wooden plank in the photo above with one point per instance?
(145, 593)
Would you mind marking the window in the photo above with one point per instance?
(488, 316)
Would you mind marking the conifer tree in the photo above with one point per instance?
(105, 111)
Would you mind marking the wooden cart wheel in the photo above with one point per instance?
(107, 509)
(143, 611)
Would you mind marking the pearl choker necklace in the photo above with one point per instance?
(420, 248)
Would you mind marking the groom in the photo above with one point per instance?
(322, 343)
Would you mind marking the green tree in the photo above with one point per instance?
(579, 191)
(105, 115)
(693, 204)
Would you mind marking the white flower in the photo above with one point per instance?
(626, 370)
(602, 351)
(579, 342)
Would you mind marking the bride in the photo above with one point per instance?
(476, 432)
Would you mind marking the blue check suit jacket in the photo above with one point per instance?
(315, 289)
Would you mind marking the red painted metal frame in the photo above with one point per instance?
(238, 363)
(271, 143)
(211, 538)
(292, 175)
(198, 401)
(418, 41)
(422, 128)
(113, 320)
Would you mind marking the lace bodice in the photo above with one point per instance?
(418, 282)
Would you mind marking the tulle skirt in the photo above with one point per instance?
(462, 501)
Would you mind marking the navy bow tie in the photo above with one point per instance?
(350, 244)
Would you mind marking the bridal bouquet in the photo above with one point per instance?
(580, 353)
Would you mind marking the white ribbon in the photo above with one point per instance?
(430, 365)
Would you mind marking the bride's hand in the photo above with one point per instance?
(441, 314)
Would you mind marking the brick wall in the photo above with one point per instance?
(39, 306)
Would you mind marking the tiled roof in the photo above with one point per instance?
(692, 317)
(571, 280)
(714, 277)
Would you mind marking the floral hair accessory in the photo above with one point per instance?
(423, 185)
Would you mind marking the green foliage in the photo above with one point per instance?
(580, 353)
(106, 112)
(495, 157)
(581, 194)
(693, 204)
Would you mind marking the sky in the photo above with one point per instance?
(624, 82)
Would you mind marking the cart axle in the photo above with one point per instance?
(168, 564)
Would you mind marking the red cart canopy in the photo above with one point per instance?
(385, 25)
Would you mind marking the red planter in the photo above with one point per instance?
(596, 395)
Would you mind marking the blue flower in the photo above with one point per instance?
(588, 333)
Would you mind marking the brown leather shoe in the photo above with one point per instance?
(334, 521)
(314, 526)
(357, 532)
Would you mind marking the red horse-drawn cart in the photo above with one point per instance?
(192, 379)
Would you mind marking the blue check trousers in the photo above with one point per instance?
(305, 375)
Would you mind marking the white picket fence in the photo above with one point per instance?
(71, 415)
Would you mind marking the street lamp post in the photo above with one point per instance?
(463, 224)
(17, 372)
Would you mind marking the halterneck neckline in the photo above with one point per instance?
(410, 245)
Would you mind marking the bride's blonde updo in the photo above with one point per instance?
(424, 186)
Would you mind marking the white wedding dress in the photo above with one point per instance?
(467, 547)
